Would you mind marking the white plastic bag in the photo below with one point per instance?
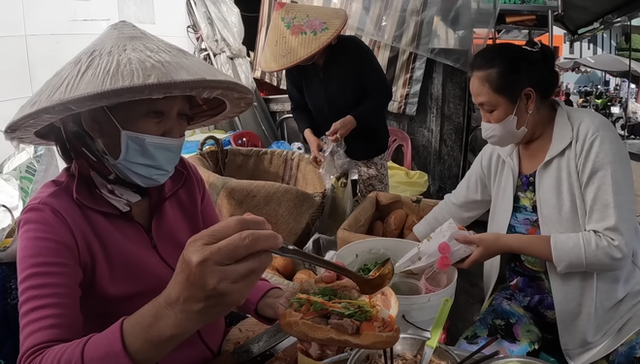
(424, 256)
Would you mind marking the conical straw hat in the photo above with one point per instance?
(126, 63)
(298, 32)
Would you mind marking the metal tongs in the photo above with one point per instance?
(375, 281)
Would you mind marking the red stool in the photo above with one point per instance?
(398, 138)
(246, 139)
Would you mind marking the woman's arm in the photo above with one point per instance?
(374, 81)
(51, 328)
(470, 199)
(537, 246)
(607, 190)
(210, 218)
(302, 114)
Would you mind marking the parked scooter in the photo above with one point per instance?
(632, 116)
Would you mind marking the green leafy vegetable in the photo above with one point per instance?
(367, 268)
(297, 303)
(355, 311)
(317, 306)
(329, 294)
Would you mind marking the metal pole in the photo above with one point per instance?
(626, 111)
(550, 15)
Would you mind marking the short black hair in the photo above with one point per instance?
(516, 68)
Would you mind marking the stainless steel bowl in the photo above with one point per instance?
(339, 359)
(408, 343)
(515, 360)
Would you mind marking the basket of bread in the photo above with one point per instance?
(384, 215)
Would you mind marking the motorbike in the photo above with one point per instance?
(626, 118)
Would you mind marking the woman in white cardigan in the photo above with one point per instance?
(559, 187)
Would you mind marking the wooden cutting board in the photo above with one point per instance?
(249, 328)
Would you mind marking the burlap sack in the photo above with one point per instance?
(377, 206)
(283, 187)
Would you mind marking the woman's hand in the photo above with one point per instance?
(218, 269)
(488, 245)
(273, 304)
(341, 128)
(315, 145)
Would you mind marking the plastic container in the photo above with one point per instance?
(515, 359)
(409, 344)
(406, 286)
(420, 310)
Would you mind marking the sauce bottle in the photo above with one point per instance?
(435, 279)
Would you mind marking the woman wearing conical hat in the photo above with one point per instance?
(336, 86)
(122, 257)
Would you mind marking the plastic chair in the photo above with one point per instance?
(246, 139)
(398, 138)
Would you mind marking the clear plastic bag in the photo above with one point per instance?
(336, 162)
(223, 32)
(445, 30)
(21, 175)
(338, 205)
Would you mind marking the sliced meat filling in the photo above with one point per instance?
(320, 321)
(344, 325)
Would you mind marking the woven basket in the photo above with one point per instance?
(282, 186)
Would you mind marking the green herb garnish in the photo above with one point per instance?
(329, 294)
(367, 268)
(317, 306)
(298, 303)
(354, 311)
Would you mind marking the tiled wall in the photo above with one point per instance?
(37, 37)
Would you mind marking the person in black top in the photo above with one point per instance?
(337, 88)
(567, 99)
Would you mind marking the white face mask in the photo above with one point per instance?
(506, 132)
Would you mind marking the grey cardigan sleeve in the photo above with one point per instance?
(607, 191)
(466, 203)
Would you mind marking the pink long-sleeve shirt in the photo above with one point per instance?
(84, 266)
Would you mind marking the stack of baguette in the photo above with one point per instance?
(397, 225)
(282, 272)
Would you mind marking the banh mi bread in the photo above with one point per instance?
(337, 314)
(284, 266)
(273, 271)
(412, 220)
(394, 223)
(303, 275)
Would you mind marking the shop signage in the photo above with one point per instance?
(526, 2)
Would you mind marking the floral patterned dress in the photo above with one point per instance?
(521, 312)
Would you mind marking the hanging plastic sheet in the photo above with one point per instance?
(21, 175)
(223, 31)
(439, 29)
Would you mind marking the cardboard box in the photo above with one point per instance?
(377, 206)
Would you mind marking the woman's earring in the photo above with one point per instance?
(530, 111)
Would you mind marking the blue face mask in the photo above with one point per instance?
(146, 160)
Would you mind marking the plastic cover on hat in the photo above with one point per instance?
(444, 30)
(297, 32)
(126, 63)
